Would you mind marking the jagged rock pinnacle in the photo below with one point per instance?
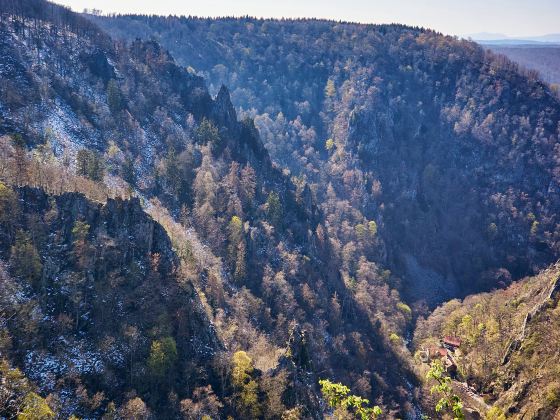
(223, 111)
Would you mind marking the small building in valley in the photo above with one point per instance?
(451, 343)
(445, 352)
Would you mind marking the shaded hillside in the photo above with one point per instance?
(82, 111)
(509, 349)
(450, 149)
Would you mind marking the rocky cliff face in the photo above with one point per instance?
(109, 288)
(99, 93)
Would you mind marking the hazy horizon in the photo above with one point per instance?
(518, 18)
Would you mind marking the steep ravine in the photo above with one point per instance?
(449, 148)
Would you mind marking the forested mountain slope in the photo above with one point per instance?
(210, 265)
(509, 349)
(450, 149)
(245, 269)
(93, 306)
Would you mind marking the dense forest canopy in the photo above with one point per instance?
(115, 119)
(437, 140)
(247, 217)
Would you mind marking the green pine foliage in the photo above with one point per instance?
(163, 356)
(90, 164)
(25, 259)
(274, 209)
(115, 98)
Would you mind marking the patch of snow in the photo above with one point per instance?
(84, 361)
(44, 368)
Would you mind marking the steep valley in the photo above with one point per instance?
(414, 130)
(205, 218)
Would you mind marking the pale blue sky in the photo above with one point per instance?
(456, 17)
